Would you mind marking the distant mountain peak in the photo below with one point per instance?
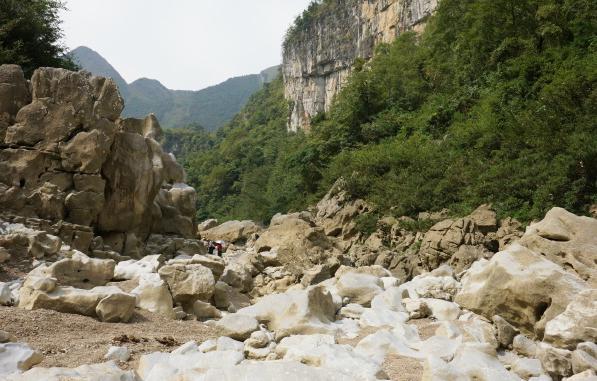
(94, 63)
(211, 107)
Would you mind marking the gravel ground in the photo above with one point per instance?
(68, 340)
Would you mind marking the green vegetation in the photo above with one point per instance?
(30, 34)
(212, 107)
(185, 141)
(240, 177)
(494, 102)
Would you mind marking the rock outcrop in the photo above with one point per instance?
(319, 54)
(66, 156)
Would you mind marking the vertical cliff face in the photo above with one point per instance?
(321, 48)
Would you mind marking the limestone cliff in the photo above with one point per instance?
(321, 48)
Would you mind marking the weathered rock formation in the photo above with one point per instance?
(320, 53)
(67, 158)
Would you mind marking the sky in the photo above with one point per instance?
(185, 44)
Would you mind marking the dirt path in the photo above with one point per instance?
(68, 340)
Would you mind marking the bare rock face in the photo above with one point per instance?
(568, 240)
(175, 211)
(576, 324)
(299, 244)
(317, 62)
(444, 239)
(189, 283)
(65, 155)
(109, 304)
(15, 357)
(456, 241)
(81, 271)
(337, 213)
(521, 286)
(295, 312)
(232, 231)
(14, 94)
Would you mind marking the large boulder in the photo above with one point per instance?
(485, 218)
(81, 271)
(184, 366)
(470, 362)
(521, 286)
(444, 239)
(228, 298)
(133, 174)
(568, 240)
(106, 303)
(189, 283)
(578, 323)
(296, 312)
(96, 372)
(176, 207)
(14, 94)
(237, 326)
(132, 269)
(19, 240)
(337, 213)
(238, 276)
(23, 172)
(87, 151)
(359, 288)
(298, 243)
(206, 225)
(116, 307)
(17, 357)
(438, 284)
(320, 351)
(232, 231)
(153, 295)
(64, 103)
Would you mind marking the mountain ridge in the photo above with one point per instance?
(211, 107)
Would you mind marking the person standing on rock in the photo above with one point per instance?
(219, 247)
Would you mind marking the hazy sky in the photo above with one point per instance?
(186, 44)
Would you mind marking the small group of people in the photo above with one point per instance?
(215, 247)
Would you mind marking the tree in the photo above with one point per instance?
(30, 34)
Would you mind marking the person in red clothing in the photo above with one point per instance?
(219, 248)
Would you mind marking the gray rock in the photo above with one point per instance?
(118, 354)
(584, 357)
(556, 362)
(505, 331)
(238, 327)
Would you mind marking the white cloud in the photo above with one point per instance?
(186, 44)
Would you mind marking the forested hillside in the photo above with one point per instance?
(494, 102)
(211, 107)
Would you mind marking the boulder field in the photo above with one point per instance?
(95, 220)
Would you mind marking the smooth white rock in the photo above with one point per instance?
(118, 354)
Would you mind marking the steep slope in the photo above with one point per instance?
(212, 107)
(485, 106)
